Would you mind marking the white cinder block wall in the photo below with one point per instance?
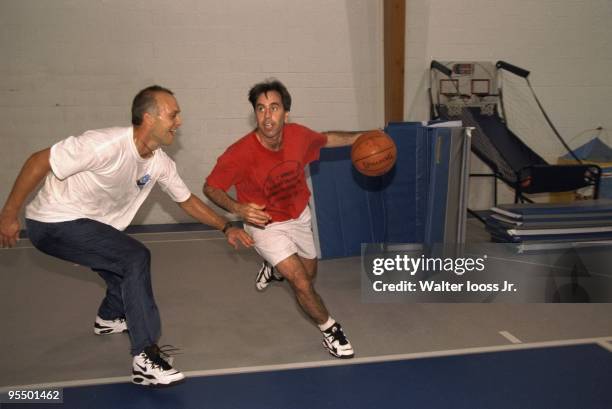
(566, 44)
(72, 65)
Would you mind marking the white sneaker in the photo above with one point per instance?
(151, 368)
(266, 275)
(116, 326)
(336, 342)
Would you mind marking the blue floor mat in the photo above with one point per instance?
(558, 377)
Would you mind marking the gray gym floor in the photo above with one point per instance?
(212, 312)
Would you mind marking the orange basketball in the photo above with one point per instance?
(373, 153)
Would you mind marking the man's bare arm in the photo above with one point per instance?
(341, 138)
(250, 212)
(200, 211)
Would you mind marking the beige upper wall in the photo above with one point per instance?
(68, 66)
(566, 44)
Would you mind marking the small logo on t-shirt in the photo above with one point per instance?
(284, 183)
(143, 181)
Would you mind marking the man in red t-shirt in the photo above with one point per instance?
(267, 169)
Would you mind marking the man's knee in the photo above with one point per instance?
(142, 256)
(139, 260)
(310, 265)
(301, 281)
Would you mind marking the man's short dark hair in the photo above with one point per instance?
(145, 101)
(267, 86)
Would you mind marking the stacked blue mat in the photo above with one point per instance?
(588, 220)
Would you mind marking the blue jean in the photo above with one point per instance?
(123, 262)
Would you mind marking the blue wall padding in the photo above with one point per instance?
(342, 205)
(405, 198)
(352, 209)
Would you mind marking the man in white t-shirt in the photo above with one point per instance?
(93, 187)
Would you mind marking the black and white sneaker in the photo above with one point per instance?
(151, 367)
(116, 326)
(266, 275)
(336, 342)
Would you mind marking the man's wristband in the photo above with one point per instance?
(227, 226)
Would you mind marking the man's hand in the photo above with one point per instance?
(236, 234)
(253, 213)
(249, 212)
(34, 170)
(9, 230)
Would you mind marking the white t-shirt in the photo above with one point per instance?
(100, 175)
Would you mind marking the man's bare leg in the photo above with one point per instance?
(300, 274)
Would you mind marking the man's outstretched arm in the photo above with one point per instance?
(197, 209)
(341, 138)
(250, 212)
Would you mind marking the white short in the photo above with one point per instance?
(280, 240)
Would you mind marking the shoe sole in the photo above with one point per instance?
(262, 286)
(335, 354)
(152, 385)
(107, 331)
(142, 380)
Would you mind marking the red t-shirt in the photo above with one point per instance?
(262, 176)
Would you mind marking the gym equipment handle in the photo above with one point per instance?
(441, 67)
(512, 68)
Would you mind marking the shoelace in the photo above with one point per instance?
(335, 333)
(159, 355)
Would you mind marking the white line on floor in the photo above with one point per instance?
(510, 337)
(326, 363)
(606, 345)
